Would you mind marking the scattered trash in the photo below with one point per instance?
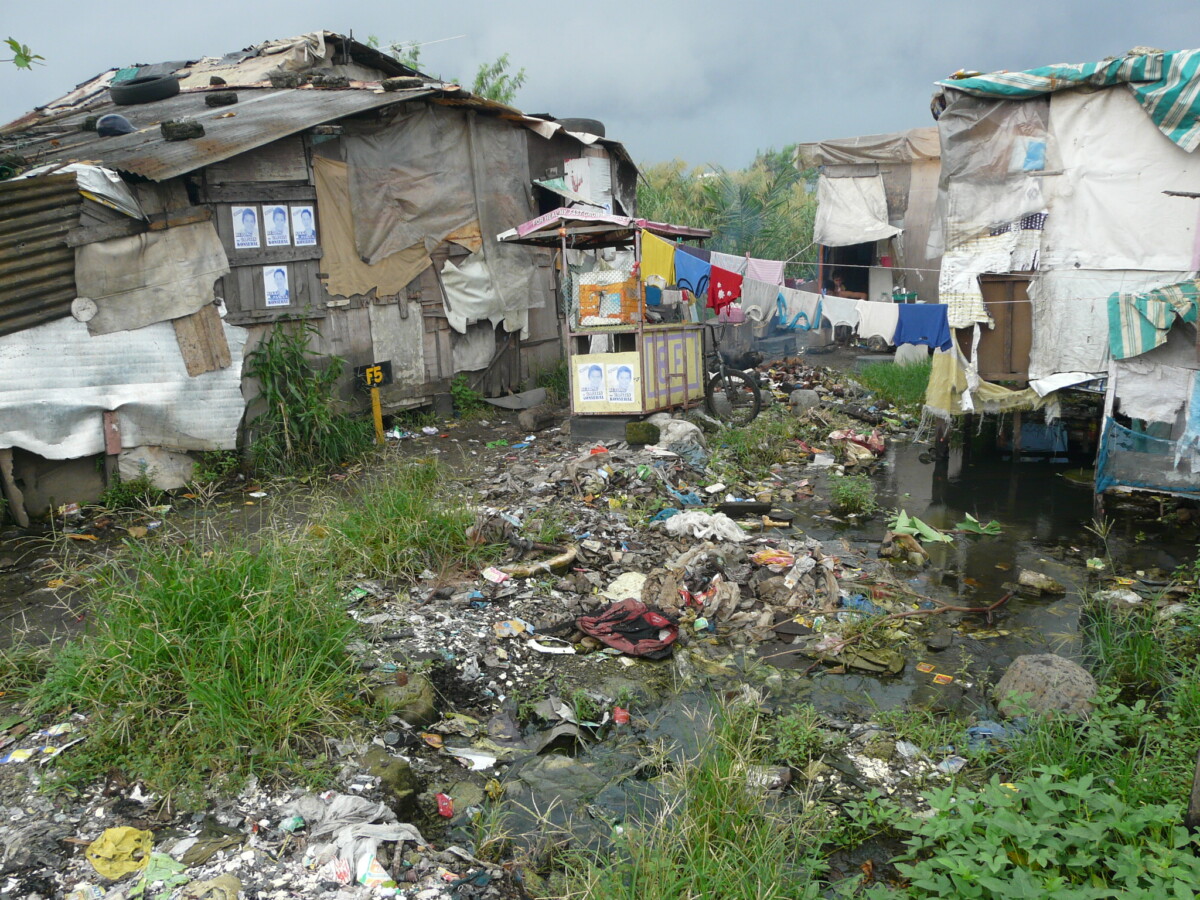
(632, 627)
(511, 628)
(495, 575)
(706, 526)
(1039, 582)
(445, 806)
(119, 851)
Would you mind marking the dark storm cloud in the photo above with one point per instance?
(704, 81)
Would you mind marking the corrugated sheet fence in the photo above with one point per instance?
(37, 268)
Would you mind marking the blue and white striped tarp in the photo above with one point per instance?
(1167, 85)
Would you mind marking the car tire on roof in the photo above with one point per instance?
(145, 89)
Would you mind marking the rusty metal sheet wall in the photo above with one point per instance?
(37, 268)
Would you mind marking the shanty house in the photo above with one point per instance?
(312, 178)
(875, 204)
(1068, 221)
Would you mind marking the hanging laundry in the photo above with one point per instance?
(768, 270)
(923, 323)
(877, 319)
(691, 272)
(730, 263)
(799, 310)
(658, 259)
(840, 310)
(1137, 323)
(698, 252)
(759, 299)
(723, 288)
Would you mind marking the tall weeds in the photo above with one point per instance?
(201, 666)
(299, 428)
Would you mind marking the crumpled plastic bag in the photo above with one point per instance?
(706, 526)
(223, 887)
(119, 851)
(350, 826)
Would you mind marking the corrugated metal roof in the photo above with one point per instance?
(261, 116)
(37, 268)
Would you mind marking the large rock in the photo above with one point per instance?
(396, 779)
(415, 702)
(1052, 683)
(802, 400)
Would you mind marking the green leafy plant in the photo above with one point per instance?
(467, 400)
(495, 82)
(903, 523)
(556, 381)
(215, 466)
(1047, 836)
(973, 526)
(796, 738)
(853, 495)
(299, 428)
(128, 494)
(22, 56)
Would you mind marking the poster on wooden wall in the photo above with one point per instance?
(245, 227)
(275, 220)
(275, 286)
(304, 230)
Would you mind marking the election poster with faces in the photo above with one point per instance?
(245, 227)
(275, 286)
(591, 382)
(304, 228)
(275, 222)
(620, 384)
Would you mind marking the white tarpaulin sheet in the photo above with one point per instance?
(851, 211)
(469, 293)
(96, 183)
(1155, 386)
(59, 380)
(1070, 316)
(1107, 208)
(152, 277)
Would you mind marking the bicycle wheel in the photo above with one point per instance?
(732, 396)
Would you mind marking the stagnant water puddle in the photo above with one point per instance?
(1045, 518)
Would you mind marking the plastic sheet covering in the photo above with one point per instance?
(901, 146)
(947, 393)
(1108, 209)
(410, 182)
(97, 183)
(1131, 459)
(993, 154)
(1155, 386)
(435, 170)
(348, 274)
(152, 277)
(1070, 316)
(59, 380)
(851, 211)
(470, 295)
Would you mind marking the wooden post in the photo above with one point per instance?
(377, 412)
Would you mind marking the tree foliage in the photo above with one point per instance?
(766, 209)
(22, 56)
(495, 82)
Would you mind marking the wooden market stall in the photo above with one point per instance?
(627, 354)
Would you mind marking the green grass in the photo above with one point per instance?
(556, 381)
(717, 837)
(203, 668)
(902, 386)
(754, 448)
(408, 520)
(853, 494)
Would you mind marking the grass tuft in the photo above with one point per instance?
(716, 837)
(853, 495)
(902, 386)
(204, 667)
(406, 522)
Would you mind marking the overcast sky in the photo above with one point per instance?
(704, 81)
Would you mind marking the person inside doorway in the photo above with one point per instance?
(836, 287)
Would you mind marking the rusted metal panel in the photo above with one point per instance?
(37, 268)
(261, 116)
